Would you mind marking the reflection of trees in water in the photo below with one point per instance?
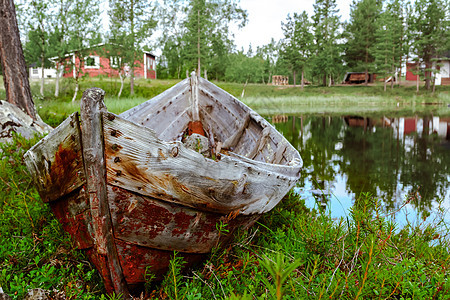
(426, 168)
(372, 159)
(316, 139)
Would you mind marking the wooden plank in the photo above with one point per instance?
(142, 113)
(72, 211)
(138, 259)
(92, 106)
(233, 140)
(56, 163)
(149, 222)
(170, 125)
(140, 162)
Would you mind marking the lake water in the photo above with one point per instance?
(397, 160)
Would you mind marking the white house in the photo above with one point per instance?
(36, 73)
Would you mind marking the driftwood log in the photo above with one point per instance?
(13, 119)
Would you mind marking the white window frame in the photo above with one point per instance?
(112, 60)
(96, 62)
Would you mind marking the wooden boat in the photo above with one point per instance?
(130, 191)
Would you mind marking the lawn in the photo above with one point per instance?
(265, 99)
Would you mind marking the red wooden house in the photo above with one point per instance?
(96, 62)
(443, 64)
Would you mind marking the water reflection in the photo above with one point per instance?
(395, 159)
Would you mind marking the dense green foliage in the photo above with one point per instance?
(197, 35)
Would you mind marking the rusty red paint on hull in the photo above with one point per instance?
(154, 223)
(158, 227)
(73, 213)
(135, 259)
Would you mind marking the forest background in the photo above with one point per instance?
(380, 36)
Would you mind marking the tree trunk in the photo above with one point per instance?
(434, 85)
(15, 76)
(427, 74)
(295, 78)
(417, 78)
(57, 81)
(121, 84)
(42, 59)
(198, 43)
(393, 70)
(77, 87)
(132, 81)
(42, 77)
(76, 90)
(366, 72)
(303, 75)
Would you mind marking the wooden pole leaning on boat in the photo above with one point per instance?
(92, 107)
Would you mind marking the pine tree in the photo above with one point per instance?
(388, 48)
(361, 35)
(15, 77)
(39, 24)
(327, 53)
(297, 43)
(430, 26)
(59, 42)
(207, 35)
(82, 32)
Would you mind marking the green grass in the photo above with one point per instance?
(265, 99)
(293, 252)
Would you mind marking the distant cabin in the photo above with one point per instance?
(98, 62)
(280, 80)
(358, 77)
(442, 78)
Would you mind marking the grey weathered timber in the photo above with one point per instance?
(139, 161)
(194, 98)
(92, 107)
(56, 162)
(233, 140)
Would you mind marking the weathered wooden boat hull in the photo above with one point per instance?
(144, 242)
(130, 195)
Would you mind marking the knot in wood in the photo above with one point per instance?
(174, 151)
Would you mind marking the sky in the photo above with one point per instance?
(265, 17)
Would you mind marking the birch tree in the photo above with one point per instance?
(82, 32)
(132, 24)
